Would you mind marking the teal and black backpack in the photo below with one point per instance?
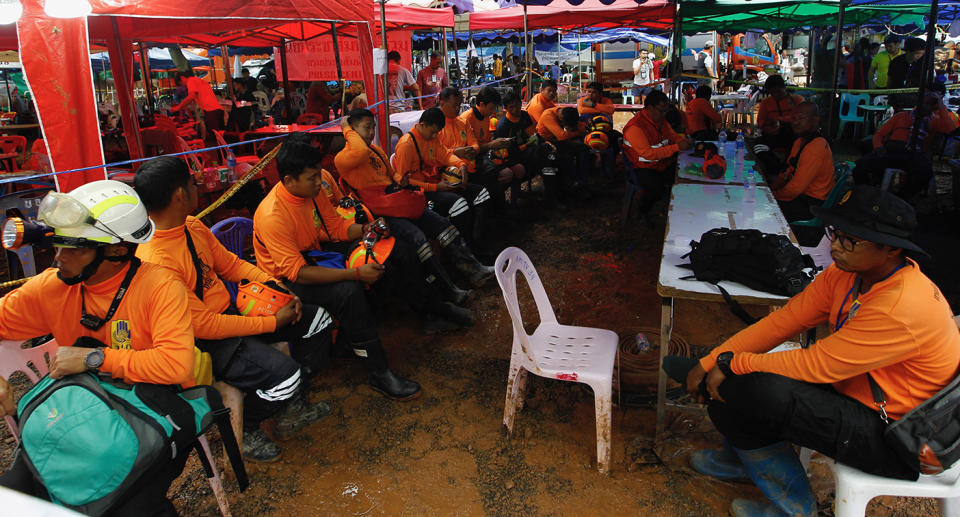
(88, 439)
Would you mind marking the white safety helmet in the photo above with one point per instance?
(96, 214)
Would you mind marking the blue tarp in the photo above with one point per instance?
(159, 60)
(242, 51)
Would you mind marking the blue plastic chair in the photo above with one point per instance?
(232, 233)
(849, 111)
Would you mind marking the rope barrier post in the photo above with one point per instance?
(386, 78)
(336, 57)
(287, 93)
(526, 53)
(144, 74)
(227, 72)
(926, 70)
(836, 68)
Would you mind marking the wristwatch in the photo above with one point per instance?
(94, 359)
(723, 363)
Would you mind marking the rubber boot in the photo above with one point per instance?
(382, 378)
(467, 264)
(778, 473)
(298, 414)
(258, 447)
(551, 189)
(722, 464)
(431, 324)
(433, 268)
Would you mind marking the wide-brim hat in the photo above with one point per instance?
(874, 215)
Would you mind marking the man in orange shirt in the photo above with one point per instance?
(807, 177)
(888, 321)
(595, 102)
(296, 218)
(419, 161)
(652, 145)
(238, 345)
(101, 294)
(775, 114)
(892, 149)
(544, 100)
(202, 93)
(364, 166)
(563, 131)
(702, 118)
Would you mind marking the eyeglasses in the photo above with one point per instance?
(847, 242)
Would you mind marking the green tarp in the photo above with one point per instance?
(780, 16)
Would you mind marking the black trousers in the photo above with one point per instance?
(870, 169)
(653, 186)
(418, 232)
(798, 209)
(148, 497)
(213, 120)
(784, 138)
(764, 408)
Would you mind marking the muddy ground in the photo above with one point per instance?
(446, 453)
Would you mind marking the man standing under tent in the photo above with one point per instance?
(401, 81)
(706, 66)
(906, 71)
(880, 65)
(643, 71)
(202, 93)
(497, 67)
(431, 80)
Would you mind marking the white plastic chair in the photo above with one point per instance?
(856, 488)
(263, 103)
(555, 351)
(13, 358)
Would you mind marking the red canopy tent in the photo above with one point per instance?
(57, 66)
(656, 14)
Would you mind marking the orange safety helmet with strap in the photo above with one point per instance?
(597, 140)
(375, 250)
(258, 299)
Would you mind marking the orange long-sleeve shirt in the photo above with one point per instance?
(361, 165)
(538, 104)
(286, 225)
(479, 127)
(700, 115)
(813, 175)
(168, 248)
(422, 169)
(149, 338)
(772, 109)
(605, 106)
(650, 145)
(903, 335)
(456, 133)
(900, 126)
(549, 127)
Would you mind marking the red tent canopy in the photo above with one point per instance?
(55, 54)
(657, 14)
(410, 17)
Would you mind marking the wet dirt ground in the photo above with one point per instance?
(446, 453)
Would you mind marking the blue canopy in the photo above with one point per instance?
(614, 35)
(242, 51)
(159, 60)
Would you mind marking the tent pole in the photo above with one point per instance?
(526, 53)
(443, 45)
(810, 38)
(559, 48)
(287, 92)
(579, 60)
(927, 67)
(336, 57)
(456, 55)
(145, 73)
(6, 84)
(226, 71)
(385, 132)
(836, 67)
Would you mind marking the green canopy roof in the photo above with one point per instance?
(780, 16)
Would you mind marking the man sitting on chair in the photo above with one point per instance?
(543, 101)
(775, 114)
(702, 119)
(890, 324)
(595, 102)
(238, 345)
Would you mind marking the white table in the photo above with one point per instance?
(736, 97)
(690, 168)
(405, 120)
(694, 210)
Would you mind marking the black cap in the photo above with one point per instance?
(774, 81)
(914, 44)
(891, 38)
(874, 215)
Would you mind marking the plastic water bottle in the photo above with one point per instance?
(741, 152)
(722, 142)
(749, 187)
(741, 142)
(231, 166)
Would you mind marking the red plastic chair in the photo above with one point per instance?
(12, 148)
(311, 119)
(251, 159)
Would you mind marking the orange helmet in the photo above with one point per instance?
(500, 156)
(601, 123)
(493, 124)
(371, 249)
(597, 141)
(347, 208)
(256, 299)
(452, 175)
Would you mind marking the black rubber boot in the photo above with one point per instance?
(454, 313)
(382, 378)
(258, 447)
(432, 324)
(442, 280)
(298, 414)
(467, 264)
